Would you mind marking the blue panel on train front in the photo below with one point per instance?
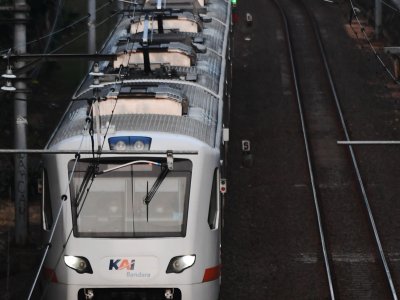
(137, 143)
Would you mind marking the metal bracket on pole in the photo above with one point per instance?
(392, 50)
(20, 8)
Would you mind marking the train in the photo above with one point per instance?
(135, 174)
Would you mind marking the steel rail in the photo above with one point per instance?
(353, 157)
(307, 148)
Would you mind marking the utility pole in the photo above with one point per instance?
(120, 7)
(92, 26)
(378, 18)
(21, 122)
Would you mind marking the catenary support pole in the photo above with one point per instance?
(378, 18)
(92, 26)
(120, 6)
(21, 122)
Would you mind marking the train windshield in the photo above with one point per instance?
(122, 198)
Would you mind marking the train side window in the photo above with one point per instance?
(47, 214)
(214, 207)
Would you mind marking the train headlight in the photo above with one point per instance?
(180, 263)
(136, 143)
(120, 146)
(79, 263)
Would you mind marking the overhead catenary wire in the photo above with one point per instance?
(391, 7)
(88, 121)
(71, 175)
(83, 33)
(32, 63)
(51, 34)
(70, 179)
(47, 247)
(71, 25)
(87, 188)
(60, 4)
(374, 51)
(116, 101)
(64, 197)
(108, 125)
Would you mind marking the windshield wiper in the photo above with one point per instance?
(134, 162)
(170, 164)
(150, 194)
(89, 176)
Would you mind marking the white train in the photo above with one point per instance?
(132, 194)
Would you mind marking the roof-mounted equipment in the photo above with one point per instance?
(144, 56)
(156, 100)
(96, 76)
(145, 45)
(165, 21)
(205, 18)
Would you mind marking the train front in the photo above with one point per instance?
(141, 227)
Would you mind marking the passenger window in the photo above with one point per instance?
(214, 207)
(47, 215)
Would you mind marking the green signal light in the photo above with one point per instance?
(233, 2)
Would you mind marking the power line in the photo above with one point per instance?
(51, 34)
(60, 5)
(391, 7)
(30, 65)
(77, 156)
(3, 51)
(376, 54)
(70, 178)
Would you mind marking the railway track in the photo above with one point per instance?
(354, 259)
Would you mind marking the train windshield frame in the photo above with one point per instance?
(113, 204)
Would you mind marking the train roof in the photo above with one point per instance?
(167, 75)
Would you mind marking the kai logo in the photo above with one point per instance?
(122, 264)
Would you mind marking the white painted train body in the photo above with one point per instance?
(134, 209)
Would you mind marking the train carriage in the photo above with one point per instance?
(138, 161)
